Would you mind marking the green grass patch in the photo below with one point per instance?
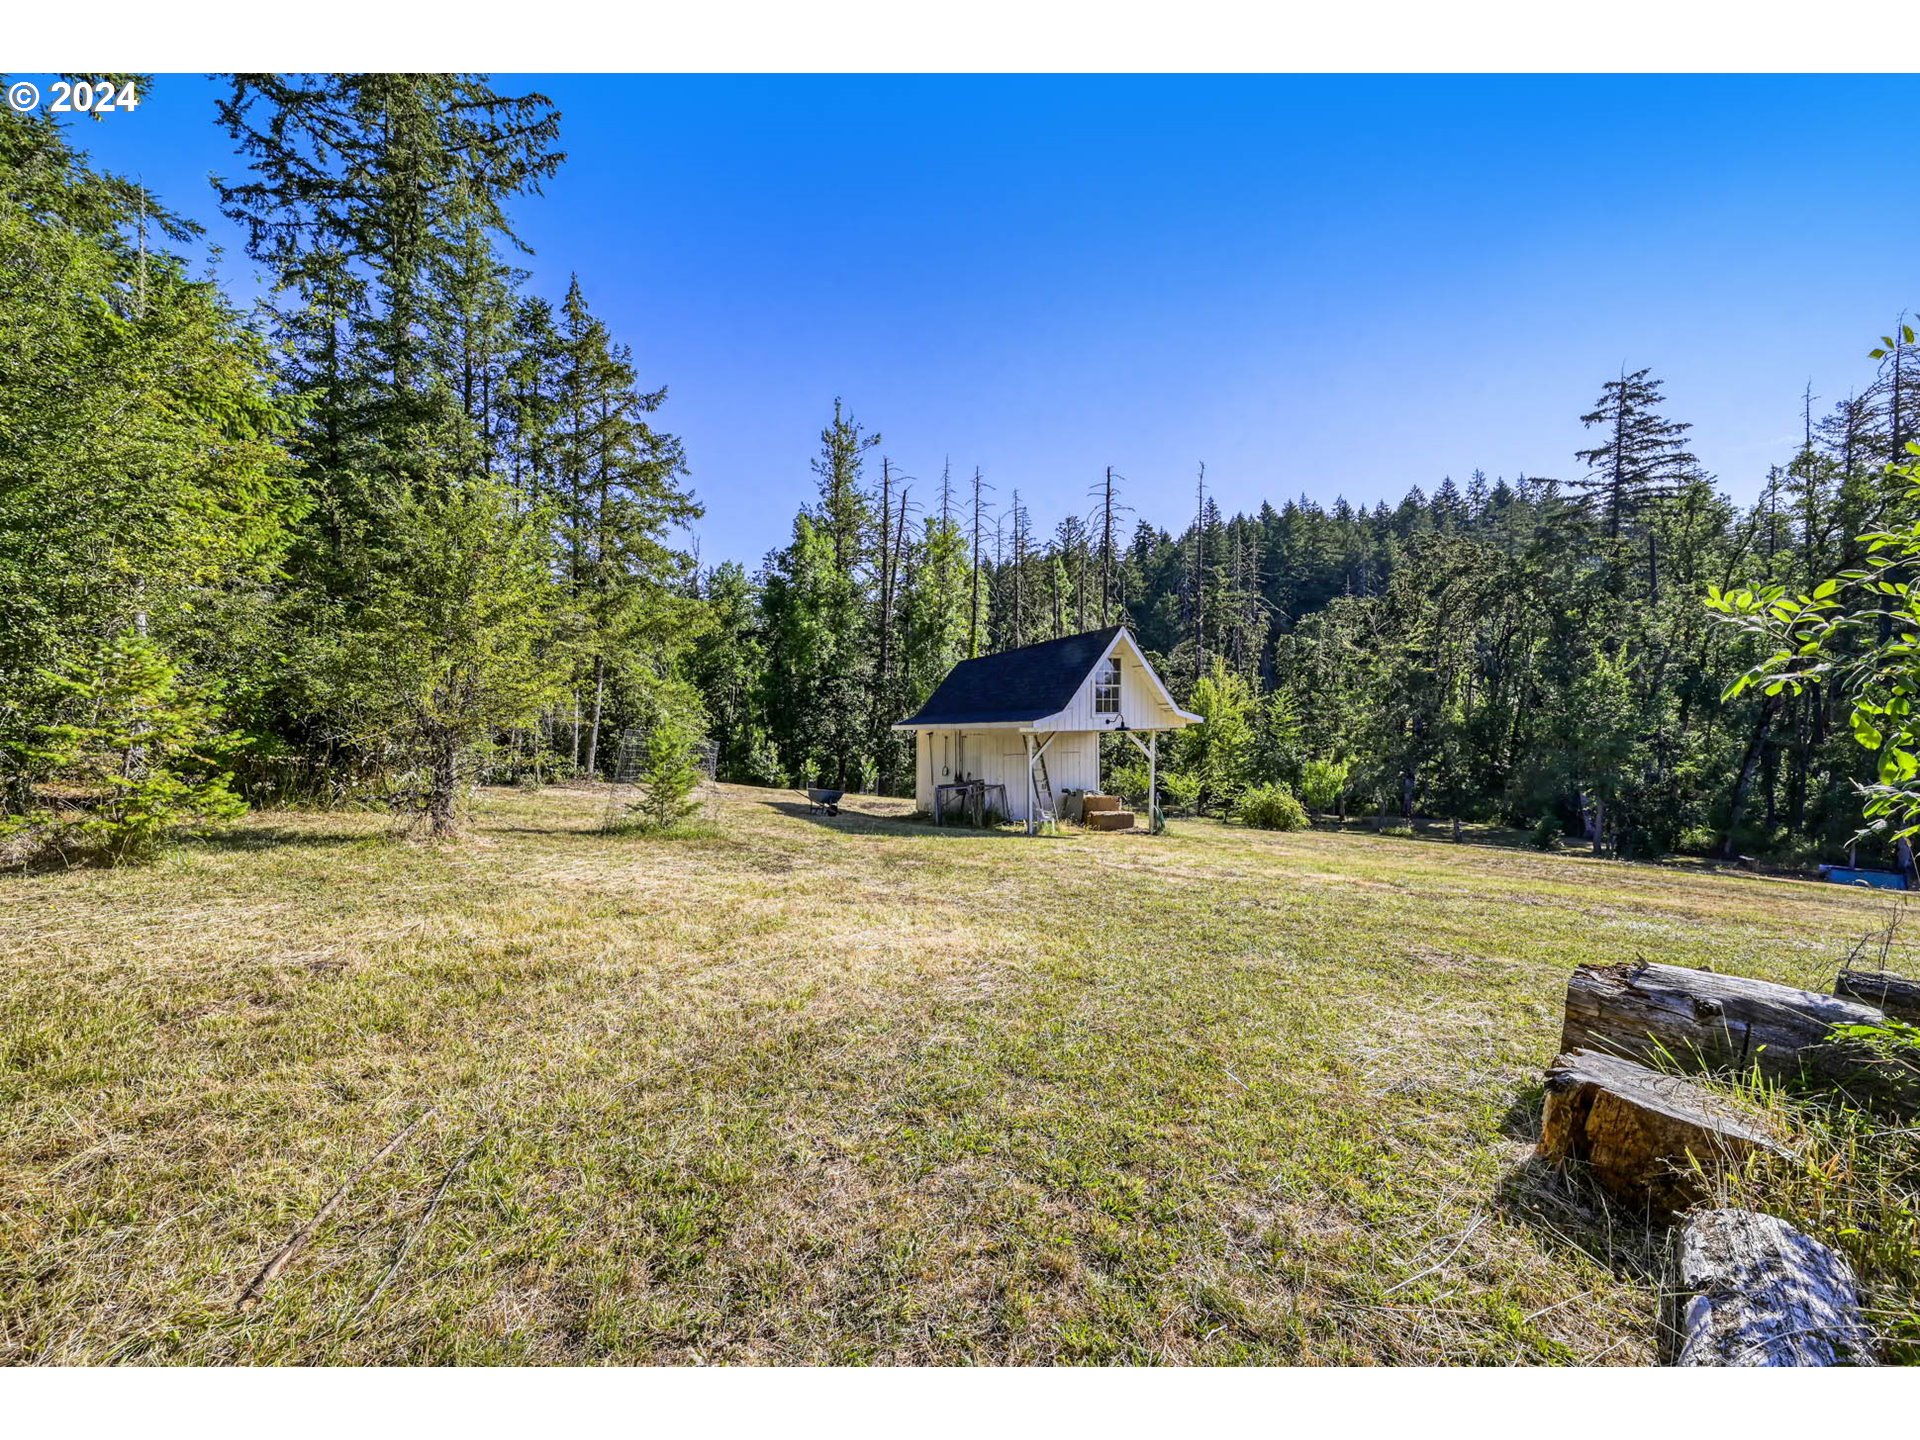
(800, 1089)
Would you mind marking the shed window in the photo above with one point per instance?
(1106, 688)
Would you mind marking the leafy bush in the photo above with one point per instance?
(1696, 840)
(1180, 791)
(1323, 782)
(1216, 755)
(760, 762)
(1271, 807)
(1129, 782)
(1546, 832)
(1397, 831)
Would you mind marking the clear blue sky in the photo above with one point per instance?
(1317, 285)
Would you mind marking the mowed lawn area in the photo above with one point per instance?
(816, 1090)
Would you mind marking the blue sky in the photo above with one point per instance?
(1316, 285)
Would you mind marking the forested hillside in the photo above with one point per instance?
(408, 524)
(1532, 651)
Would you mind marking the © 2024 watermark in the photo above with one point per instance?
(65, 96)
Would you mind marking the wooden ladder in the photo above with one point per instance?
(1043, 787)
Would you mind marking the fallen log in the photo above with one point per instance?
(1894, 995)
(1699, 1020)
(1745, 1289)
(1641, 1133)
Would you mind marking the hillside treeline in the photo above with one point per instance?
(406, 524)
(1529, 652)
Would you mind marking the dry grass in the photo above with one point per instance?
(824, 1090)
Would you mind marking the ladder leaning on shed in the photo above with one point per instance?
(1038, 808)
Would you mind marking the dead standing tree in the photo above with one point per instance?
(893, 539)
(1109, 509)
(973, 598)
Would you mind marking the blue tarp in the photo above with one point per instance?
(1878, 879)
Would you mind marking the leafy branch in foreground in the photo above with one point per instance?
(1858, 631)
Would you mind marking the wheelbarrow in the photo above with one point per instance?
(827, 800)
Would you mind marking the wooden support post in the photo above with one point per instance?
(1153, 781)
(1029, 782)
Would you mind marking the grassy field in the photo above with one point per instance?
(825, 1090)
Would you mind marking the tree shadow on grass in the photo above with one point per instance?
(859, 822)
(280, 838)
(1437, 832)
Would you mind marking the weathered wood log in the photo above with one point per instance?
(1894, 995)
(1699, 1020)
(1748, 1289)
(1640, 1132)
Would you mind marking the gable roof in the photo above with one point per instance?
(1030, 683)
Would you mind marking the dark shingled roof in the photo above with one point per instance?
(1024, 684)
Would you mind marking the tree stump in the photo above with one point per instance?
(1748, 1289)
(1698, 1020)
(1894, 995)
(1638, 1131)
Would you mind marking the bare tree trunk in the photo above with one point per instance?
(883, 678)
(1743, 778)
(1106, 551)
(973, 598)
(599, 695)
(443, 790)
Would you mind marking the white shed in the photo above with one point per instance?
(1030, 720)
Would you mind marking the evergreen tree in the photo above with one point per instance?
(615, 485)
(455, 638)
(368, 194)
(726, 664)
(1642, 455)
(820, 692)
(669, 769)
(143, 483)
(935, 618)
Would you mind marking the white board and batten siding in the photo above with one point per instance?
(999, 757)
(1143, 703)
(997, 752)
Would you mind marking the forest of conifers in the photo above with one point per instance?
(406, 524)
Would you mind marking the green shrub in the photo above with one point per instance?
(1179, 791)
(1546, 832)
(1397, 831)
(1271, 807)
(1323, 782)
(1696, 840)
(1129, 782)
(669, 769)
